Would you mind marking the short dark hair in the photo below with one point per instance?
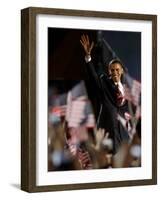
(116, 60)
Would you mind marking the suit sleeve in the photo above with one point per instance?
(94, 75)
(104, 86)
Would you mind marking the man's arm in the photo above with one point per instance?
(90, 67)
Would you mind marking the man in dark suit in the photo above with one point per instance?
(113, 105)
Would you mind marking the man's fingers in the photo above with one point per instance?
(106, 135)
(84, 38)
(82, 43)
(86, 43)
(92, 45)
(87, 39)
(103, 131)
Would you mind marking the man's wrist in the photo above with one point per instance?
(88, 58)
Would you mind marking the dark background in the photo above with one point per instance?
(66, 55)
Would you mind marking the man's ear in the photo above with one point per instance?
(109, 70)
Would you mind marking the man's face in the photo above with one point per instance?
(115, 70)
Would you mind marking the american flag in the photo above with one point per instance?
(76, 114)
(59, 111)
(133, 90)
(75, 111)
(79, 109)
(90, 123)
(58, 105)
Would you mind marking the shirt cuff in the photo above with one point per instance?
(87, 58)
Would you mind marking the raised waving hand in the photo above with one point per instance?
(86, 44)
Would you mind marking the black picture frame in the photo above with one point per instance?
(28, 98)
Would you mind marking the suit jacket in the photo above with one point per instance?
(109, 110)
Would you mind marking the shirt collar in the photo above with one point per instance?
(118, 83)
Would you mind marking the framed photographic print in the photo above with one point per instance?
(89, 99)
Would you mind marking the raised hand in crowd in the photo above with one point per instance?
(85, 42)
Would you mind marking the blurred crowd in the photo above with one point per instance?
(75, 143)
